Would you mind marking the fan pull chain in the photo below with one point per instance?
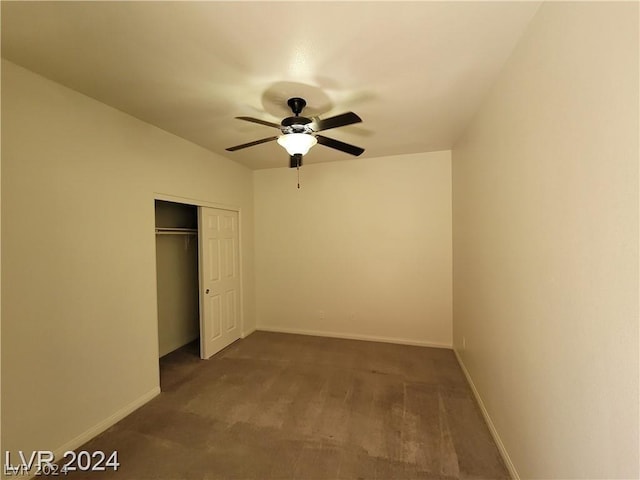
(298, 169)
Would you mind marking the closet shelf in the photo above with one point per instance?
(176, 231)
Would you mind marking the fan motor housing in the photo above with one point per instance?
(296, 125)
(290, 121)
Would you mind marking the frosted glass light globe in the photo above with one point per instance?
(295, 143)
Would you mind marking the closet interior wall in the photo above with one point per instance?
(177, 275)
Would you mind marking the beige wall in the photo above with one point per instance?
(79, 331)
(362, 249)
(545, 206)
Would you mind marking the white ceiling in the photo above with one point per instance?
(414, 71)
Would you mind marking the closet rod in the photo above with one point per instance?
(176, 231)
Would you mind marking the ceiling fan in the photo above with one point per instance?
(299, 133)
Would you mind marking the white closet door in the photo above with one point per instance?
(219, 279)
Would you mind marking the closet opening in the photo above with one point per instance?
(177, 289)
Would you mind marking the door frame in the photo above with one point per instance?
(204, 203)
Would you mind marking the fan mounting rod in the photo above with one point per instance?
(296, 104)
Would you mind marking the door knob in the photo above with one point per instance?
(207, 291)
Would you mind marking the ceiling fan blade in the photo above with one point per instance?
(251, 144)
(337, 121)
(257, 120)
(338, 145)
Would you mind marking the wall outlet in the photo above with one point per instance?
(321, 314)
(464, 343)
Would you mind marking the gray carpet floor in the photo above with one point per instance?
(279, 406)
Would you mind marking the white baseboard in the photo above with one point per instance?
(245, 334)
(353, 336)
(494, 433)
(97, 429)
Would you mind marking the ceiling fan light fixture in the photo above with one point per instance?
(298, 134)
(297, 143)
